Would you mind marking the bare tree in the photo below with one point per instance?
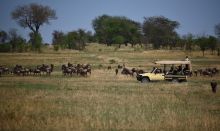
(33, 16)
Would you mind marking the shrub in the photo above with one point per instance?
(56, 47)
(112, 61)
(5, 47)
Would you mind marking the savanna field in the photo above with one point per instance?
(103, 100)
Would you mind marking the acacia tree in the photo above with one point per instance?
(202, 42)
(159, 30)
(114, 30)
(58, 40)
(33, 16)
(212, 43)
(188, 41)
(76, 39)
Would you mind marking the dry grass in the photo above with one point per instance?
(104, 101)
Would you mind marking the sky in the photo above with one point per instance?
(195, 16)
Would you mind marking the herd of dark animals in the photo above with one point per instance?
(79, 69)
(23, 71)
(85, 69)
(69, 69)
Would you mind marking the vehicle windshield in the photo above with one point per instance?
(153, 70)
(156, 70)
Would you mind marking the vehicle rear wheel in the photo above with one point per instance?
(175, 80)
(145, 80)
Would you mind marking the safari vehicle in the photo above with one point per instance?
(178, 72)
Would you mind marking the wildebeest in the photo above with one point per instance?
(79, 69)
(207, 72)
(137, 71)
(126, 71)
(4, 70)
(68, 70)
(119, 67)
(116, 71)
(195, 72)
(1, 72)
(214, 86)
(35, 71)
(109, 67)
(46, 68)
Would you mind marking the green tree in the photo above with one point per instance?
(59, 40)
(3, 36)
(76, 39)
(118, 40)
(107, 28)
(202, 42)
(36, 41)
(212, 43)
(188, 42)
(18, 44)
(159, 30)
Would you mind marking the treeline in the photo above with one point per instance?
(13, 42)
(156, 32)
(72, 40)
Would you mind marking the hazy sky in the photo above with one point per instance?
(195, 16)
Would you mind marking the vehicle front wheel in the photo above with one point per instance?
(145, 80)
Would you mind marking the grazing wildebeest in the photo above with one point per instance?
(35, 71)
(214, 86)
(195, 72)
(137, 71)
(46, 68)
(69, 64)
(116, 71)
(1, 72)
(119, 67)
(109, 67)
(82, 72)
(17, 70)
(67, 70)
(4, 70)
(89, 70)
(207, 73)
(126, 71)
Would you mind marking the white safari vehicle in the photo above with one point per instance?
(175, 71)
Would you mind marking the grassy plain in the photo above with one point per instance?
(104, 101)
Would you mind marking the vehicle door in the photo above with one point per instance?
(157, 75)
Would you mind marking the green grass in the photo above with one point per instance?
(104, 101)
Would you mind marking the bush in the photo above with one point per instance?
(112, 61)
(5, 47)
(36, 41)
(56, 47)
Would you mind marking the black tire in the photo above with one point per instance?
(175, 80)
(145, 80)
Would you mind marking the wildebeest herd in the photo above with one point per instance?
(24, 71)
(78, 69)
(85, 69)
(206, 72)
(44, 69)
